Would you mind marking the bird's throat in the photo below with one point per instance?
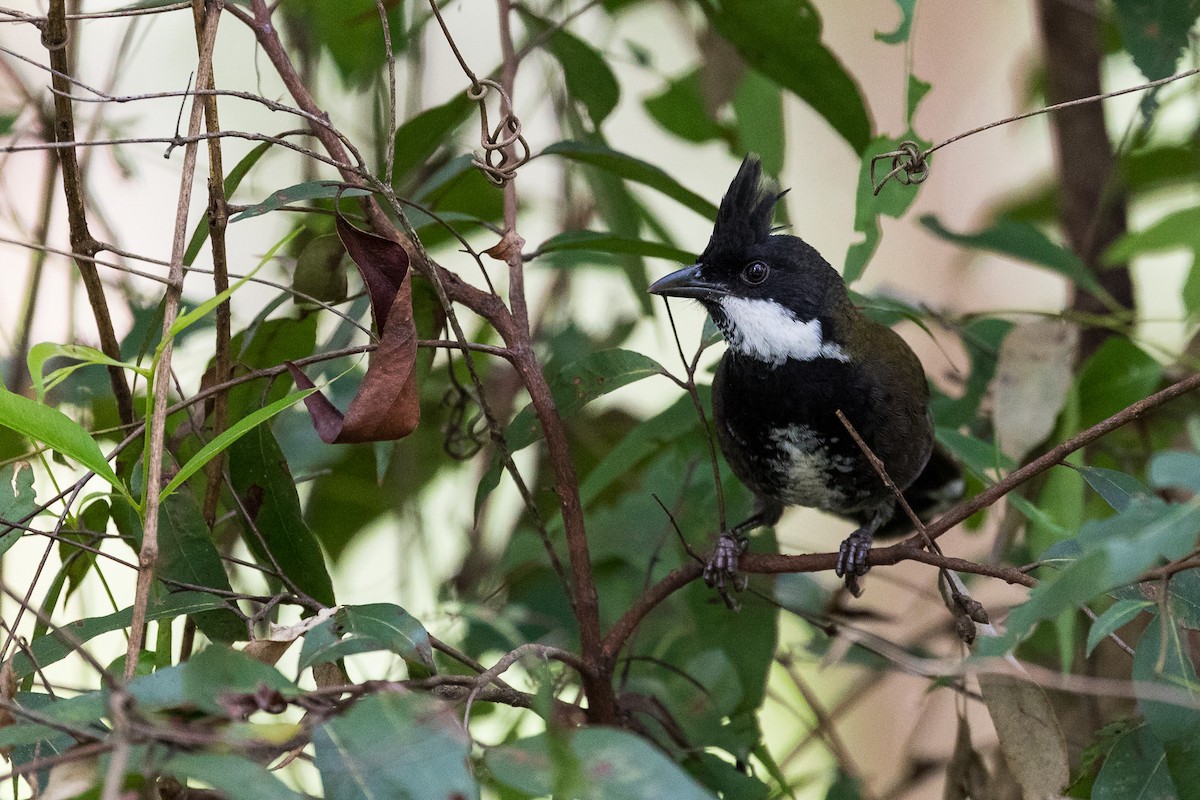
(772, 333)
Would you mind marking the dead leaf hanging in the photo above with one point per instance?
(387, 405)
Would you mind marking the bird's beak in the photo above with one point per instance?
(688, 282)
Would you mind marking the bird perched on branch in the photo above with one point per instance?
(798, 352)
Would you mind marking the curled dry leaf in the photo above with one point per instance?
(509, 246)
(1033, 376)
(387, 405)
(270, 648)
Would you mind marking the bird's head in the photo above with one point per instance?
(773, 296)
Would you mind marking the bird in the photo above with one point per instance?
(798, 352)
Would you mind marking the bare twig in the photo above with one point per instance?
(148, 554)
(55, 38)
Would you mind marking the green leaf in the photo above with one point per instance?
(758, 109)
(1175, 469)
(276, 532)
(18, 501)
(633, 169)
(315, 190)
(186, 554)
(420, 137)
(680, 109)
(1116, 551)
(1178, 230)
(782, 39)
(1023, 241)
(58, 432)
(579, 383)
(1162, 657)
(1117, 488)
(207, 680)
(367, 629)
(595, 764)
(588, 77)
(1156, 33)
(394, 746)
(917, 89)
(230, 435)
(235, 777)
(232, 181)
(1118, 614)
(904, 29)
(269, 343)
(1184, 598)
(644, 441)
(1116, 376)
(893, 201)
(609, 243)
(319, 272)
(979, 456)
(352, 33)
(31, 741)
(54, 646)
(43, 351)
(1135, 766)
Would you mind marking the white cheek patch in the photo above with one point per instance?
(767, 331)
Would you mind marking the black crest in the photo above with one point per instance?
(746, 212)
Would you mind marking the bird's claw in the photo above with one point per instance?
(852, 560)
(721, 571)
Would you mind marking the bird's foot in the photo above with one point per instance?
(852, 560)
(721, 571)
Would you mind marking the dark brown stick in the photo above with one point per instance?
(56, 40)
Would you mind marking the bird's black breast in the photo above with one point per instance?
(778, 428)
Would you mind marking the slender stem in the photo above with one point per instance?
(218, 219)
(602, 703)
(56, 40)
(148, 554)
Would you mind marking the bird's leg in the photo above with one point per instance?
(852, 555)
(722, 566)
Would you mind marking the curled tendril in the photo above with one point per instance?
(464, 437)
(908, 165)
(499, 160)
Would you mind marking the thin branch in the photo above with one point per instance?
(148, 554)
(55, 38)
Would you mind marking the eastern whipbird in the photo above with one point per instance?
(798, 352)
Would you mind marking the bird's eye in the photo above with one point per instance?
(755, 273)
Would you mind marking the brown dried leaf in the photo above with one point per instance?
(329, 674)
(387, 405)
(267, 651)
(510, 245)
(1030, 737)
(1033, 376)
